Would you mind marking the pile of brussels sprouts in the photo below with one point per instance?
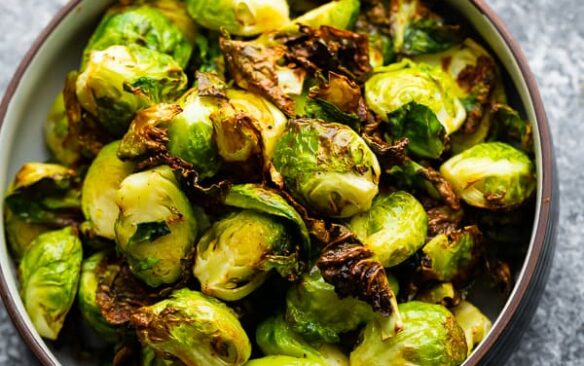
(274, 183)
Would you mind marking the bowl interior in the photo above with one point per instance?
(21, 136)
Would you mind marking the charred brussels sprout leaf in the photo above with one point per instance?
(475, 324)
(98, 195)
(328, 167)
(194, 328)
(242, 18)
(121, 80)
(509, 127)
(315, 311)
(430, 336)
(341, 14)
(144, 25)
(86, 297)
(491, 175)
(49, 274)
(156, 228)
(63, 147)
(394, 228)
(394, 86)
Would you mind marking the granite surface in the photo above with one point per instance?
(551, 33)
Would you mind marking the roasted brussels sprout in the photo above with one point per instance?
(147, 26)
(443, 294)
(64, 149)
(86, 298)
(241, 17)
(450, 256)
(394, 228)
(194, 328)
(41, 197)
(190, 133)
(235, 256)
(314, 310)
(328, 167)
(475, 324)
(156, 228)
(393, 90)
(275, 337)
(430, 336)
(282, 361)
(491, 175)
(121, 80)
(49, 274)
(98, 195)
(341, 14)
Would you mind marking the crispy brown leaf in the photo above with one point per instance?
(479, 81)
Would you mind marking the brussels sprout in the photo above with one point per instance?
(282, 361)
(121, 80)
(98, 195)
(143, 25)
(62, 147)
(86, 298)
(475, 324)
(328, 167)
(156, 228)
(236, 255)
(394, 228)
(450, 256)
(249, 125)
(416, 30)
(314, 310)
(241, 17)
(509, 127)
(49, 273)
(393, 87)
(194, 328)
(190, 134)
(491, 175)
(149, 358)
(430, 336)
(42, 196)
(341, 14)
(443, 294)
(275, 337)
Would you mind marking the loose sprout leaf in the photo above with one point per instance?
(508, 126)
(429, 36)
(149, 231)
(210, 57)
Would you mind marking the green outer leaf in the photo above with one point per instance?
(325, 110)
(429, 36)
(275, 337)
(261, 199)
(149, 231)
(341, 14)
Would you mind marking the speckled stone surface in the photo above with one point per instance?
(551, 33)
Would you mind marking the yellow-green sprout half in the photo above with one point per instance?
(394, 228)
(156, 228)
(194, 328)
(49, 274)
(491, 175)
(475, 324)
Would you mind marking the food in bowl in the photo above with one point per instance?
(272, 183)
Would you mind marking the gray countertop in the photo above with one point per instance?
(551, 33)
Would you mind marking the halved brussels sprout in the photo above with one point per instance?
(475, 324)
(341, 14)
(491, 175)
(194, 328)
(394, 228)
(393, 87)
(328, 167)
(314, 310)
(49, 274)
(275, 337)
(282, 361)
(249, 125)
(430, 337)
(42, 196)
(190, 134)
(86, 298)
(450, 256)
(64, 149)
(156, 228)
(143, 25)
(442, 294)
(235, 256)
(98, 195)
(121, 80)
(240, 17)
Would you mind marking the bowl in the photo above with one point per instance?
(57, 50)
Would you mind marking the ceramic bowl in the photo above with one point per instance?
(57, 51)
